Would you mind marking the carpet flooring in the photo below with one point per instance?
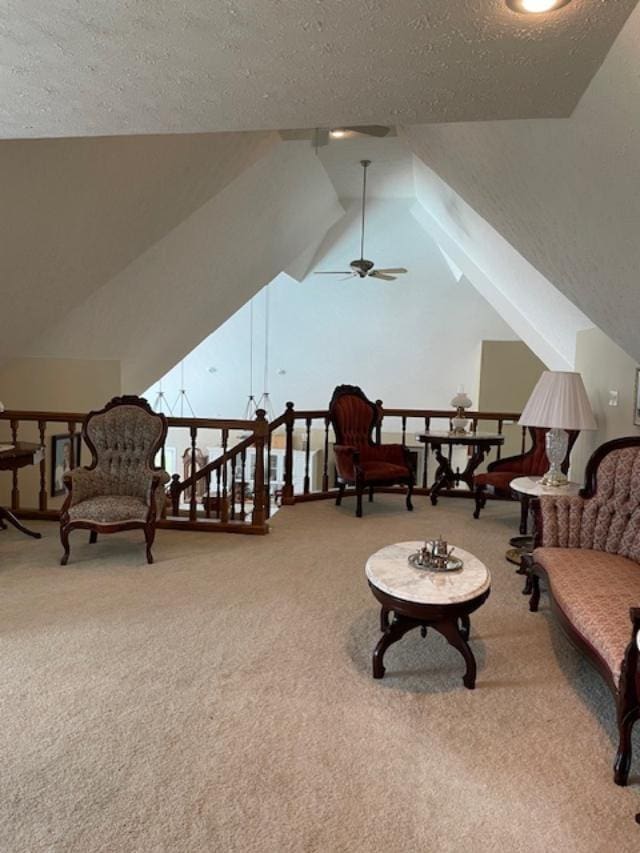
(222, 700)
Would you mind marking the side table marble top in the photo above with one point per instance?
(532, 486)
(389, 571)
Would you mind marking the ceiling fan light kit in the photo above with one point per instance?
(362, 267)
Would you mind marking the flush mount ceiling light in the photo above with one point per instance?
(536, 7)
(338, 133)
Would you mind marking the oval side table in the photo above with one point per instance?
(419, 598)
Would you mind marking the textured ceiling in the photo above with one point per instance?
(105, 67)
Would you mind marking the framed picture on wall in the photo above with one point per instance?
(636, 399)
(62, 460)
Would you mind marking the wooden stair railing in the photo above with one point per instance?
(234, 500)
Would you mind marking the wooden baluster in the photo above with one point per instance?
(404, 430)
(218, 493)
(207, 496)
(260, 431)
(425, 467)
(193, 507)
(225, 477)
(42, 497)
(380, 408)
(307, 457)
(267, 484)
(15, 491)
(287, 491)
(499, 447)
(175, 492)
(243, 482)
(232, 506)
(325, 463)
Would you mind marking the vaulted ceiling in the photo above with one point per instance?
(126, 67)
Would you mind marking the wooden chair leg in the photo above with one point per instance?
(149, 535)
(481, 501)
(359, 502)
(93, 537)
(370, 494)
(64, 538)
(340, 494)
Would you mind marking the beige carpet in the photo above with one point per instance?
(222, 700)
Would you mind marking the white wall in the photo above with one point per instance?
(172, 296)
(409, 342)
(605, 367)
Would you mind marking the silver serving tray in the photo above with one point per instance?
(454, 564)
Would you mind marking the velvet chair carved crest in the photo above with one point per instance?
(534, 463)
(121, 489)
(360, 460)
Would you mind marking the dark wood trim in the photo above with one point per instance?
(591, 471)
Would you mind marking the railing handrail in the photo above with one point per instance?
(470, 414)
(79, 417)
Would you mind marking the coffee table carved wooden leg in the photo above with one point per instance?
(394, 631)
(451, 632)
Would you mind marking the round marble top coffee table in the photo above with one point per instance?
(419, 598)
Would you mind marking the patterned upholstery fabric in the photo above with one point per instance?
(595, 590)
(110, 509)
(610, 520)
(124, 438)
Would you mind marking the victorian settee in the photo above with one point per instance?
(361, 461)
(121, 489)
(589, 553)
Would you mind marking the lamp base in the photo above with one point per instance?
(557, 444)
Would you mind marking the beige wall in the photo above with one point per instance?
(508, 373)
(56, 385)
(604, 368)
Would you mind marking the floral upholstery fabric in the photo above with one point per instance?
(124, 438)
(595, 590)
(608, 521)
(110, 509)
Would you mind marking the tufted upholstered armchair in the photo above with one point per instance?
(534, 463)
(120, 490)
(589, 554)
(360, 462)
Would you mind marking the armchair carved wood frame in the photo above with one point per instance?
(119, 490)
(605, 529)
(532, 463)
(361, 461)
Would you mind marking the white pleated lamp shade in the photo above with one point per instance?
(559, 401)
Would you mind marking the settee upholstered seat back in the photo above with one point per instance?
(608, 520)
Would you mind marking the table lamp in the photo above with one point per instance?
(558, 403)
(460, 402)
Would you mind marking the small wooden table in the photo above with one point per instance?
(419, 598)
(446, 478)
(12, 457)
(530, 490)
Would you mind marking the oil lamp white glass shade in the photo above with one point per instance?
(558, 403)
(461, 401)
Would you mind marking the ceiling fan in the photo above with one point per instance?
(362, 267)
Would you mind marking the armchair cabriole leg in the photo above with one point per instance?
(409, 494)
(149, 535)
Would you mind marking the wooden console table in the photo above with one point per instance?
(12, 457)
(446, 478)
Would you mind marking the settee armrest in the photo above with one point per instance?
(347, 461)
(560, 521)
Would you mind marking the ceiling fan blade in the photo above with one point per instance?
(393, 271)
(347, 277)
(381, 275)
(370, 129)
(334, 272)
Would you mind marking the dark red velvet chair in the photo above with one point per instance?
(360, 461)
(533, 463)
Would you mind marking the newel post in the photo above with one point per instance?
(287, 489)
(261, 430)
